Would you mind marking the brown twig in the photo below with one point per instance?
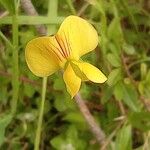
(95, 129)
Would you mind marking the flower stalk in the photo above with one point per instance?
(15, 69)
(41, 112)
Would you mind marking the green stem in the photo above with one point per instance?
(15, 77)
(52, 13)
(39, 125)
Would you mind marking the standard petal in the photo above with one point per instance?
(72, 81)
(40, 56)
(79, 36)
(92, 73)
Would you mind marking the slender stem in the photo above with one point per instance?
(15, 77)
(40, 119)
(52, 13)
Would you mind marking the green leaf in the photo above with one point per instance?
(58, 142)
(123, 140)
(113, 47)
(114, 77)
(118, 92)
(68, 140)
(4, 121)
(9, 5)
(73, 137)
(129, 49)
(74, 117)
(72, 132)
(114, 30)
(113, 59)
(130, 96)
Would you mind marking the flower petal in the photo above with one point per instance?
(92, 73)
(72, 81)
(40, 56)
(79, 36)
(77, 68)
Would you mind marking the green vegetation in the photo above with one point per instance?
(121, 105)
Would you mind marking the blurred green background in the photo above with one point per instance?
(121, 105)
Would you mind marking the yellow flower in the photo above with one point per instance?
(75, 37)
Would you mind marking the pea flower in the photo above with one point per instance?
(75, 37)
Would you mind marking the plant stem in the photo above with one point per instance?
(15, 69)
(52, 13)
(41, 111)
